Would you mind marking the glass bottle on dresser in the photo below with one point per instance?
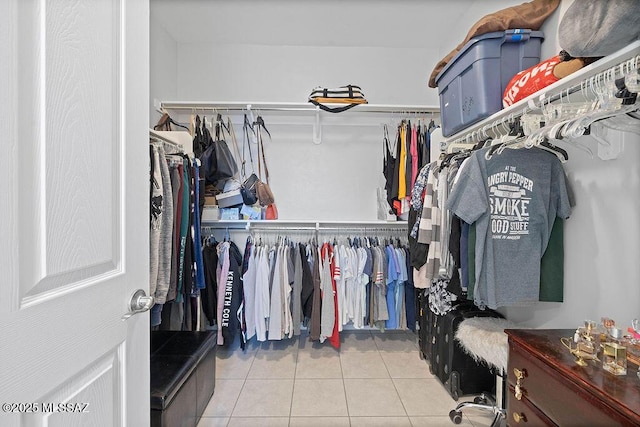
(614, 353)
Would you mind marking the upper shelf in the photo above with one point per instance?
(303, 107)
(606, 69)
(299, 108)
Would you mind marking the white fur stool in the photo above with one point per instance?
(483, 338)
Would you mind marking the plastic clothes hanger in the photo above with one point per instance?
(516, 130)
(220, 122)
(168, 120)
(512, 135)
(178, 124)
(499, 130)
(559, 132)
(541, 142)
(559, 152)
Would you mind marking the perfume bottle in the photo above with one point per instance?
(614, 353)
(586, 338)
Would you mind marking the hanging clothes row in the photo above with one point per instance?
(402, 160)
(287, 286)
(486, 225)
(176, 266)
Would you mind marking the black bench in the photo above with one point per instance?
(183, 366)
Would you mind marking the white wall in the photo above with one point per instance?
(601, 241)
(551, 46)
(336, 180)
(163, 63)
(602, 237)
(331, 181)
(396, 75)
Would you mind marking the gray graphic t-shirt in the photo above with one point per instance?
(514, 198)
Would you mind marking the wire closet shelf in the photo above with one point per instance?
(302, 109)
(588, 85)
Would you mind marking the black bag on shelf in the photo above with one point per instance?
(248, 190)
(350, 94)
(217, 161)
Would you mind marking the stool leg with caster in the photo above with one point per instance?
(485, 402)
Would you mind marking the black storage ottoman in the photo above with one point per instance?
(183, 365)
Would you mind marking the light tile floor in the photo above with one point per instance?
(375, 379)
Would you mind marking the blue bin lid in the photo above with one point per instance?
(511, 36)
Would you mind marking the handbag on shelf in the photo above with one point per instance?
(204, 149)
(263, 190)
(217, 160)
(271, 212)
(350, 94)
(199, 142)
(226, 166)
(265, 195)
(248, 188)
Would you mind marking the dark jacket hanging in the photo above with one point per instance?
(232, 308)
(314, 327)
(209, 294)
(307, 285)
(395, 183)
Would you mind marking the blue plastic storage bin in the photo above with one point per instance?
(472, 83)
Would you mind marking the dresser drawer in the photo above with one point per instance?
(563, 401)
(524, 413)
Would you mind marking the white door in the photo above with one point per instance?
(73, 212)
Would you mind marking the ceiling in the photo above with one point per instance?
(380, 23)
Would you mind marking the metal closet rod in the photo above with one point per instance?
(327, 229)
(281, 228)
(295, 107)
(364, 229)
(317, 226)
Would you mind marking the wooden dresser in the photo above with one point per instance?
(556, 391)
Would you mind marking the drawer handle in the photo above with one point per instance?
(519, 417)
(520, 374)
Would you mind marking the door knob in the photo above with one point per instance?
(139, 303)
